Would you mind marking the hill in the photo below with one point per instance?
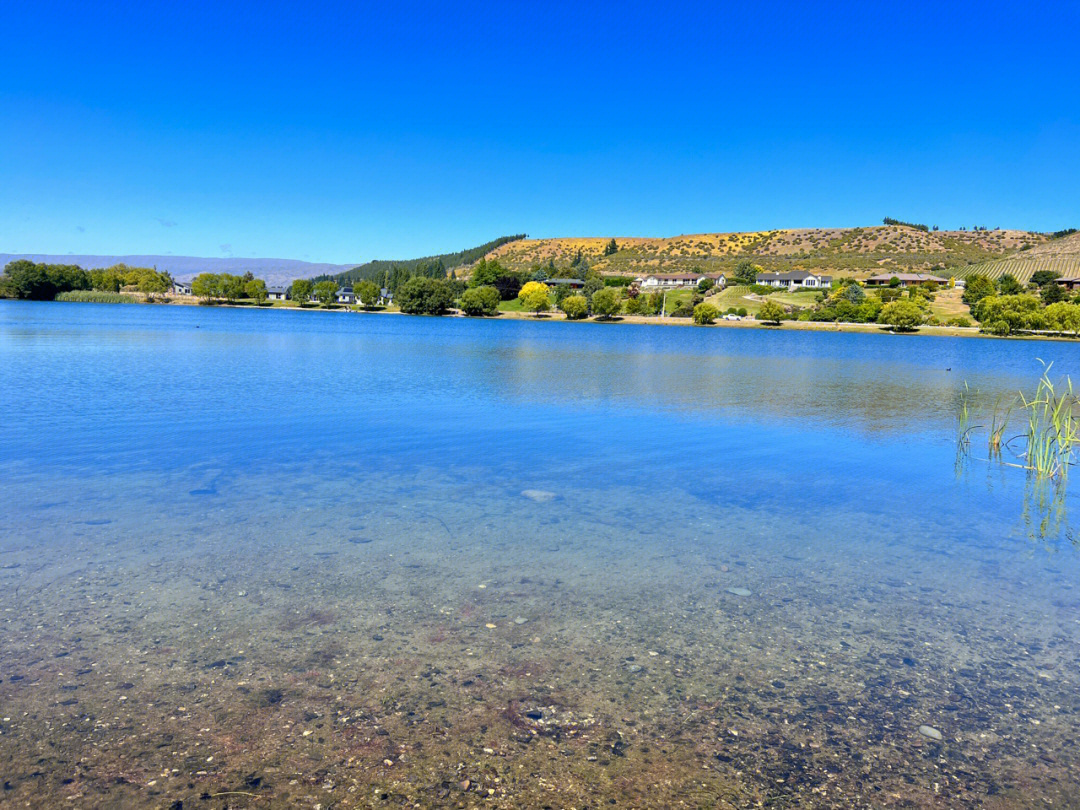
(184, 268)
(1059, 255)
(854, 251)
(380, 269)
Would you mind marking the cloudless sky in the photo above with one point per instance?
(349, 132)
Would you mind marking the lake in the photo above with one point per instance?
(309, 559)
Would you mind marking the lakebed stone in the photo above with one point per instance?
(931, 732)
(539, 495)
(740, 591)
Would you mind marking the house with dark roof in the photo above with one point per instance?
(345, 295)
(794, 279)
(277, 293)
(181, 288)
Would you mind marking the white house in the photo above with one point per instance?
(277, 293)
(345, 295)
(181, 288)
(676, 281)
(794, 279)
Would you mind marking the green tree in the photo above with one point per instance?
(1008, 285)
(705, 313)
(423, 295)
(256, 290)
(1053, 292)
(300, 291)
(706, 284)
(1063, 317)
(367, 293)
(575, 307)
(593, 283)
(1040, 278)
(745, 272)
(902, 315)
(976, 289)
(480, 301)
(772, 312)
(606, 303)
(611, 248)
(232, 287)
(206, 286)
(42, 282)
(534, 297)
(326, 292)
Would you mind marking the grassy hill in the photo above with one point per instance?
(853, 251)
(1059, 255)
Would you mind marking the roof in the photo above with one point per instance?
(920, 277)
(676, 276)
(564, 281)
(277, 289)
(792, 275)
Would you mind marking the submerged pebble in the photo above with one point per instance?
(539, 495)
(739, 591)
(930, 731)
(520, 620)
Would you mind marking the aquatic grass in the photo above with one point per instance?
(1051, 428)
(95, 297)
(1044, 449)
(998, 422)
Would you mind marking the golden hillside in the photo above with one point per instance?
(851, 250)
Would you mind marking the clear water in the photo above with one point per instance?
(284, 559)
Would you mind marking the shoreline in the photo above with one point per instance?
(637, 320)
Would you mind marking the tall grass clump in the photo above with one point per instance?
(1051, 428)
(96, 297)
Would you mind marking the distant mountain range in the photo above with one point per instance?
(184, 268)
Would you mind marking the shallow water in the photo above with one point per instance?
(284, 559)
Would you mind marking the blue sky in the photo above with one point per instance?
(346, 132)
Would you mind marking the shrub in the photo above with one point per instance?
(480, 301)
(575, 307)
(741, 312)
(962, 320)
(902, 316)
(705, 314)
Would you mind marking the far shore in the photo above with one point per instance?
(644, 320)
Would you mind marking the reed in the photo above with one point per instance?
(95, 297)
(1051, 428)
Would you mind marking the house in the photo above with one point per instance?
(675, 281)
(572, 283)
(794, 279)
(905, 279)
(386, 295)
(345, 295)
(1068, 283)
(277, 293)
(181, 288)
